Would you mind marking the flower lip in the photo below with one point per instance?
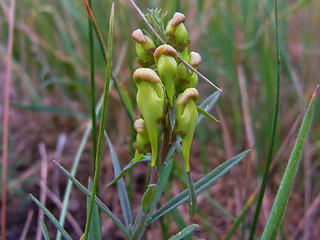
(138, 36)
(146, 74)
(177, 19)
(189, 93)
(195, 59)
(164, 49)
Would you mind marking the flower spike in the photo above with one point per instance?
(150, 100)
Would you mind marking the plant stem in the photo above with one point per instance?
(102, 126)
(273, 132)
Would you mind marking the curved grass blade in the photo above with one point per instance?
(208, 115)
(185, 232)
(123, 195)
(130, 165)
(44, 230)
(52, 218)
(208, 104)
(100, 204)
(274, 221)
(200, 186)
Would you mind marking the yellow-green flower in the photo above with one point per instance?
(176, 32)
(186, 121)
(145, 47)
(150, 100)
(165, 58)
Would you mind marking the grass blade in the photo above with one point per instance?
(100, 204)
(273, 132)
(123, 195)
(102, 123)
(200, 186)
(185, 232)
(279, 206)
(95, 226)
(44, 230)
(52, 218)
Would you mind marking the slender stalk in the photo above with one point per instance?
(273, 132)
(6, 121)
(92, 84)
(102, 125)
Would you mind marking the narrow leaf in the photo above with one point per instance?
(272, 228)
(95, 226)
(123, 195)
(44, 230)
(208, 104)
(208, 115)
(191, 190)
(200, 186)
(130, 165)
(101, 205)
(185, 232)
(148, 198)
(52, 218)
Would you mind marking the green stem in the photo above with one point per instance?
(102, 126)
(273, 132)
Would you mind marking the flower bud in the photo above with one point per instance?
(176, 32)
(186, 121)
(165, 58)
(186, 79)
(150, 100)
(142, 144)
(145, 47)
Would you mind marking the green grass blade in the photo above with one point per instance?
(130, 165)
(44, 230)
(52, 218)
(100, 204)
(273, 131)
(123, 195)
(274, 221)
(95, 226)
(102, 122)
(208, 115)
(200, 186)
(208, 104)
(185, 232)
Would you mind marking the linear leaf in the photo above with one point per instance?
(185, 232)
(274, 221)
(208, 115)
(44, 230)
(123, 195)
(130, 165)
(200, 186)
(52, 218)
(101, 205)
(208, 104)
(95, 226)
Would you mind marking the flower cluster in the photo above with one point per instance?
(164, 83)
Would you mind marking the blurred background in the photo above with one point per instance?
(50, 110)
